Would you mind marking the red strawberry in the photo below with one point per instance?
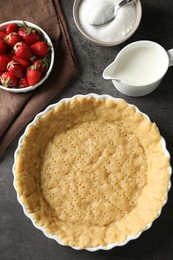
(8, 81)
(40, 49)
(29, 35)
(22, 50)
(3, 46)
(12, 27)
(23, 62)
(1, 73)
(12, 38)
(23, 83)
(4, 60)
(2, 35)
(33, 75)
(15, 69)
(42, 64)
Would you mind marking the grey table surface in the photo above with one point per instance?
(19, 239)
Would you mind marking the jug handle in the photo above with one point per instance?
(170, 55)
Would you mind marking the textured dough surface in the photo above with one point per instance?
(92, 171)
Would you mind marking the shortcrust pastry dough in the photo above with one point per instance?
(92, 172)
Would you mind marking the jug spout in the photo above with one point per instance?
(109, 72)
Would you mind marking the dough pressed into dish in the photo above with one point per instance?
(92, 172)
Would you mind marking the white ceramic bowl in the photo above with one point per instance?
(56, 238)
(52, 56)
(76, 18)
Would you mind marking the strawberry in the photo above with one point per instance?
(12, 38)
(4, 60)
(40, 49)
(29, 35)
(7, 80)
(15, 69)
(23, 83)
(2, 35)
(1, 73)
(12, 27)
(25, 63)
(42, 64)
(33, 75)
(22, 50)
(3, 46)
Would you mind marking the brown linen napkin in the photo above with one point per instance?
(16, 110)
